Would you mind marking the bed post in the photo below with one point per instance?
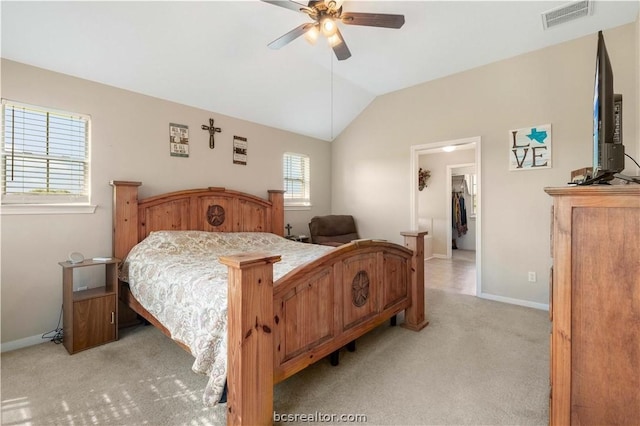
(414, 316)
(125, 217)
(276, 196)
(250, 339)
(125, 235)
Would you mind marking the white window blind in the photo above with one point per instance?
(296, 180)
(45, 155)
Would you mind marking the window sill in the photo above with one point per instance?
(25, 209)
(297, 207)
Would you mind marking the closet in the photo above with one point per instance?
(463, 233)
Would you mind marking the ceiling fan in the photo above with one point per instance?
(325, 15)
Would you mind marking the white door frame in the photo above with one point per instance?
(416, 151)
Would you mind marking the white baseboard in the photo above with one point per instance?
(439, 256)
(22, 343)
(512, 301)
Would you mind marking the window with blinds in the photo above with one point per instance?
(45, 155)
(296, 180)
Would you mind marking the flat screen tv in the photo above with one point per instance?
(608, 150)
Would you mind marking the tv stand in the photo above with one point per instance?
(593, 307)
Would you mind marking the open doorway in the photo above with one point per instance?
(454, 172)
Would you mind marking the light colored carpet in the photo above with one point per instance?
(478, 362)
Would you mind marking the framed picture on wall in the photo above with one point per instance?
(178, 140)
(240, 150)
(530, 148)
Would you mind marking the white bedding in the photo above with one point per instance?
(177, 277)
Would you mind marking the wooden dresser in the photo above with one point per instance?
(595, 305)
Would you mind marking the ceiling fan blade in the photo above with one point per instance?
(287, 4)
(372, 19)
(340, 48)
(290, 36)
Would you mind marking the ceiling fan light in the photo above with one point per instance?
(312, 35)
(334, 40)
(328, 27)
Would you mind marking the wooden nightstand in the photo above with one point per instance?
(90, 317)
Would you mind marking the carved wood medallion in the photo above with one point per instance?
(215, 215)
(360, 289)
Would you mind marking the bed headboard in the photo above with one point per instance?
(206, 209)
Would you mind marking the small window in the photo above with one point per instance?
(472, 184)
(45, 155)
(296, 180)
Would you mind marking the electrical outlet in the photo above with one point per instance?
(532, 277)
(84, 287)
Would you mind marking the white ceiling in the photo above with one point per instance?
(213, 54)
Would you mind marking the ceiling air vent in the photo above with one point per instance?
(566, 13)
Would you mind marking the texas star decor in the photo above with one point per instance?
(530, 148)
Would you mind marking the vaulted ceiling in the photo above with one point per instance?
(213, 54)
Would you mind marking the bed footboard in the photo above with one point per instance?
(277, 329)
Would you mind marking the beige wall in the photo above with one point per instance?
(368, 163)
(129, 142)
(371, 158)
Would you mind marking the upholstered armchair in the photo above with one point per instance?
(333, 230)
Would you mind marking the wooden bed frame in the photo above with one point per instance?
(276, 329)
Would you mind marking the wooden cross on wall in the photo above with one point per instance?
(212, 131)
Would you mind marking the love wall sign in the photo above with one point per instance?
(530, 148)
